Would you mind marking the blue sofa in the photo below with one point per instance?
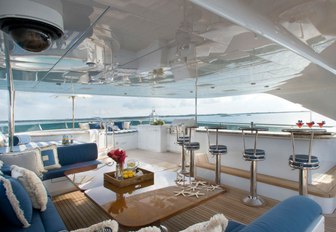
(48, 220)
(74, 156)
(296, 213)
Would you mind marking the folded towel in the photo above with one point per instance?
(21, 139)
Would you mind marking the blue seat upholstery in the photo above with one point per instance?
(77, 153)
(183, 139)
(293, 214)
(217, 149)
(46, 221)
(74, 156)
(59, 172)
(250, 156)
(302, 162)
(192, 146)
(119, 124)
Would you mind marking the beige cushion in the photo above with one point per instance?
(84, 126)
(149, 229)
(127, 125)
(33, 185)
(217, 223)
(30, 159)
(3, 141)
(101, 226)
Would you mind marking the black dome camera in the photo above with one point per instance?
(32, 25)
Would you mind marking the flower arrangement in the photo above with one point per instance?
(158, 122)
(118, 155)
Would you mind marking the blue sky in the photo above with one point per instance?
(30, 106)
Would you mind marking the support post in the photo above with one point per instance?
(11, 93)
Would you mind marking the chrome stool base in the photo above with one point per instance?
(254, 201)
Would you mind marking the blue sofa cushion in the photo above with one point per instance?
(5, 169)
(77, 153)
(120, 125)
(16, 206)
(95, 125)
(301, 209)
(36, 225)
(234, 226)
(55, 173)
(48, 221)
(51, 219)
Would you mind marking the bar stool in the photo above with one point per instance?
(303, 162)
(253, 155)
(191, 147)
(217, 150)
(181, 139)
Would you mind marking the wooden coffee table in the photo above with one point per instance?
(148, 203)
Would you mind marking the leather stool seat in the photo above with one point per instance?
(192, 146)
(250, 156)
(217, 149)
(301, 162)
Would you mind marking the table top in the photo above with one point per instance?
(255, 128)
(305, 130)
(149, 207)
(156, 198)
(93, 176)
(217, 127)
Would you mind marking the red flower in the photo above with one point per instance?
(117, 155)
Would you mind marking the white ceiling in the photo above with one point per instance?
(164, 48)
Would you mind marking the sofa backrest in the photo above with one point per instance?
(76, 153)
(293, 214)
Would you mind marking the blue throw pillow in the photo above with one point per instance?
(5, 168)
(95, 125)
(50, 157)
(16, 206)
(119, 124)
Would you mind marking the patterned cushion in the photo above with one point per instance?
(3, 141)
(16, 206)
(50, 157)
(33, 185)
(108, 226)
(30, 159)
(217, 223)
(84, 126)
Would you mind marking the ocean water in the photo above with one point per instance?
(275, 121)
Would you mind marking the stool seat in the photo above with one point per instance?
(183, 139)
(301, 162)
(192, 146)
(217, 149)
(250, 156)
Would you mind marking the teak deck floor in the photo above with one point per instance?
(77, 211)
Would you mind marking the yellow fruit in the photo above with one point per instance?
(131, 174)
(125, 176)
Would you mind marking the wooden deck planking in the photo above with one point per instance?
(78, 211)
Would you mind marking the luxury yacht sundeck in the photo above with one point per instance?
(181, 49)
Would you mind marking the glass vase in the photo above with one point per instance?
(119, 171)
